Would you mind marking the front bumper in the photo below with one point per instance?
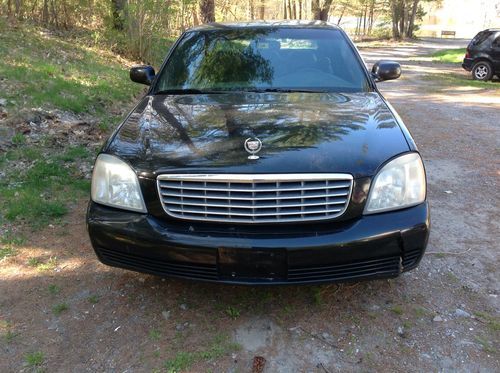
(374, 246)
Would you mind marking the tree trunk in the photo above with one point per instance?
(321, 12)
(411, 22)
(402, 20)
(9, 8)
(45, 11)
(315, 9)
(262, 9)
(284, 9)
(290, 15)
(341, 14)
(294, 10)
(370, 20)
(196, 21)
(251, 9)
(207, 10)
(300, 9)
(118, 9)
(395, 19)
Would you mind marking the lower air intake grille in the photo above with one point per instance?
(157, 266)
(338, 272)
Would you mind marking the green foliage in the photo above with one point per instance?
(60, 308)
(93, 299)
(6, 251)
(219, 346)
(154, 334)
(54, 289)
(232, 312)
(398, 310)
(34, 359)
(18, 139)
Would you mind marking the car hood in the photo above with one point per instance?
(300, 132)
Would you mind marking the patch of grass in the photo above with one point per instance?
(183, 360)
(60, 308)
(232, 312)
(451, 276)
(485, 344)
(18, 139)
(33, 262)
(7, 251)
(398, 310)
(421, 312)
(492, 321)
(10, 336)
(75, 153)
(449, 55)
(49, 265)
(87, 81)
(317, 296)
(38, 195)
(93, 299)
(460, 80)
(154, 334)
(54, 289)
(34, 359)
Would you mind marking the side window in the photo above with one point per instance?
(496, 42)
(479, 38)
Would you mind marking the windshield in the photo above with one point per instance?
(263, 59)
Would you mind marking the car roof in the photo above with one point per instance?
(264, 24)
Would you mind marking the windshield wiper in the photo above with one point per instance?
(188, 91)
(285, 90)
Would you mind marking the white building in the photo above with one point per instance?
(465, 17)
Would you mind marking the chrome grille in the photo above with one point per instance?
(255, 198)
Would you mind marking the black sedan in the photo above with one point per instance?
(263, 153)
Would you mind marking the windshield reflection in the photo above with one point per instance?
(259, 58)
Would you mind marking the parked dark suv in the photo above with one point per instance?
(483, 55)
(263, 153)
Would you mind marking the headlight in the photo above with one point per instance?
(399, 184)
(115, 184)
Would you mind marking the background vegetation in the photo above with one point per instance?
(143, 29)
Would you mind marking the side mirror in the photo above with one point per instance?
(142, 74)
(386, 70)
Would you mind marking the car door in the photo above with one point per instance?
(495, 52)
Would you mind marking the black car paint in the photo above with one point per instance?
(486, 50)
(355, 133)
(374, 246)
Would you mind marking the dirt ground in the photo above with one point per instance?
(444, 316)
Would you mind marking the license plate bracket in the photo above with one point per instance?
(262, 264)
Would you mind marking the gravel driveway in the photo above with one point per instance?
(444, 316)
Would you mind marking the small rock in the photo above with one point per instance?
(141, 279)
(448, 191)
(180, 327)
(325, 335)
(401, 331)
(165, 314)
(461, 313)
(3, 102)
(183, 306)
(437, 319)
